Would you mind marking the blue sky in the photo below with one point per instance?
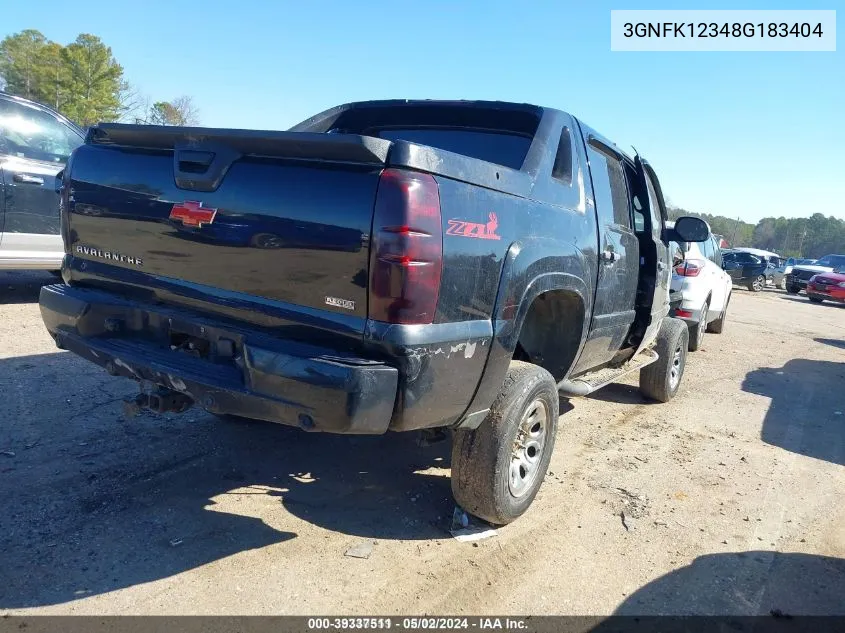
(737, 134)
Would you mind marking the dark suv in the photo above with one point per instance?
(746, 269)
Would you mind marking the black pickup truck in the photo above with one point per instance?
(386, 265)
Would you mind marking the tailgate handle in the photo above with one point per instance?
(195, 162)
(202, 166)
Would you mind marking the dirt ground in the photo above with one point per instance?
(732, 494)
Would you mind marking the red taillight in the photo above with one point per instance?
(685, 314)
(406, 253)
(689, 268)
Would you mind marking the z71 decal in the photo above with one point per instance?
(475, 229)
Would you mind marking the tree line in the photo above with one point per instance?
(814, 237)
(83, 81)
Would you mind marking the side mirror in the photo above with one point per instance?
(690, 229)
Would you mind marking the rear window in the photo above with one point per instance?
(493, 132)
(501, 148)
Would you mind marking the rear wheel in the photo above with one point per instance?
(498, 468)
(718, 326)
(758, 284)
(816, 299)
(696, 334)
(793, 290)
(782, 284)
(660, 380)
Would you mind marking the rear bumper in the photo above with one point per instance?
(827, 292)
(262, 378)
(688, 301)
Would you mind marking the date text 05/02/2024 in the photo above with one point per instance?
(418, 623)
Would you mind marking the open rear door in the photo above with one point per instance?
(655, 216)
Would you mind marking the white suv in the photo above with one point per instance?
(705, 288)
(35, 143)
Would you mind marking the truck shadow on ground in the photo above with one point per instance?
(621, 394)
(95, 503)
(23, 287)
(835, 342)
(807, 410)
(740, 583)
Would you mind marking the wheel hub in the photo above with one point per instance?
(527, 451)
(677, 367)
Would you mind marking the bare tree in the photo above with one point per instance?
(180, 111)
(134, 105)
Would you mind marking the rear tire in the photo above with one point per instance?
(718, 326)
(498, 468)
(816, 299)
(758, 284)
(782, 284)
(793, 290)
(696, 334)
(660, 380)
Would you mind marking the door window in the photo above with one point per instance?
(609, 187)
(27, 132)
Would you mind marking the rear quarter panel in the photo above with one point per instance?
(492, 274)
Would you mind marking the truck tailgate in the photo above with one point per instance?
(281, 216)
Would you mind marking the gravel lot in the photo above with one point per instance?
(732, 494)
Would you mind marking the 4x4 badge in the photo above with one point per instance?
(475, 229)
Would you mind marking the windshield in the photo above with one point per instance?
(832, 261)
(28, 132)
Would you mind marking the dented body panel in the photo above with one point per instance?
(255, 303)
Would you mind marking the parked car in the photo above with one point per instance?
(773, 261)
(705, 288)
(509, 254)
(747, 269)
(827, 286)
(796, 281)
(35, 143)
(786, 267)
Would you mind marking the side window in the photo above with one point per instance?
(638, 205)
(26, 132)
(639, 216)
(609, 185)
(653, 203)
(717, 252)
(562, 169)
(707, 249)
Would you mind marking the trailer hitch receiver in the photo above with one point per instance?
(160, 400)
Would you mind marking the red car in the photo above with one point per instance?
(830, 286)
